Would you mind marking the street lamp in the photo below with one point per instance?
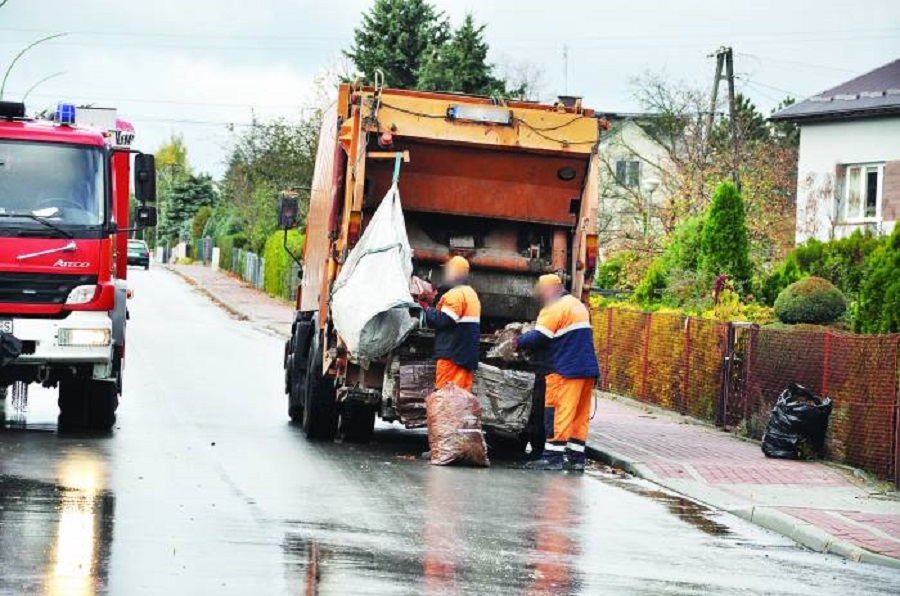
(650, 187)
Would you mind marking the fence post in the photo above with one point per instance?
(261, 273)
(722, 404)
(609, 332)
(896, 461)
(686, 381)
(826, 363)
(645, 356)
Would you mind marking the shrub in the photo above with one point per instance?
(842, 262)
(622, 271)
(201, 219)
(278, 261)
(653, 285)
(683, 251)
(810, 300)
(878, 308)
(226, 245)
(786, 273)
(725, 244)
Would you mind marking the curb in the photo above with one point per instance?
(797, 530)
(234, 312)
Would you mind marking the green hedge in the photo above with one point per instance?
(842, 262)
(811, 300)
(278, 261)
(226, 245)
(879, 294)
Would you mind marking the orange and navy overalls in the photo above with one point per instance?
(563, 331)
(457, 324)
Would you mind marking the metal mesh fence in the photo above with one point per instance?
(732, 374)
(858, 372)
(666, 359)
(248, 266)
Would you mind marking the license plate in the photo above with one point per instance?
(6, 325)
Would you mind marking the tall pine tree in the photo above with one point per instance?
(725, 246)
(461, 64)
(395, 36)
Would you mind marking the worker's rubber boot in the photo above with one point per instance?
(575, 461)
(550, 460)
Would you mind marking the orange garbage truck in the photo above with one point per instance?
(511, 186)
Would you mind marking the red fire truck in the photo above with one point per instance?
(64, 223)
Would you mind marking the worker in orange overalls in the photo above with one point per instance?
(563, 331)
(457, 323)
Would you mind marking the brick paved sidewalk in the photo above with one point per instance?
(239, 298)
(821, 506)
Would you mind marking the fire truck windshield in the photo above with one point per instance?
(62, 185)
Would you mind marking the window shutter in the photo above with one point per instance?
(890, 191)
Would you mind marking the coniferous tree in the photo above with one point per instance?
(725, 246)
(395, 36)
(461, 64)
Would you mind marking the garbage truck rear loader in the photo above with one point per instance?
(511, 186)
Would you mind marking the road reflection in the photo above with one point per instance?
(76, 558)
(453, 531)
(58, 534)
(555, 544)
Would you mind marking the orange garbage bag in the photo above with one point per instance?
(454, 428)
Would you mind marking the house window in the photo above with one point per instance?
(628, 173)
(862, 196)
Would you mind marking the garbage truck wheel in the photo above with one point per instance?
(320, 412)
(295, 370)
(357, 423)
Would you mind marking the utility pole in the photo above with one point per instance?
(725, 61)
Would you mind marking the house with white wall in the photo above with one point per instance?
(632, 193)
(848, 173)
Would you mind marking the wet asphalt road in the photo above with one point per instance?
(204, 488)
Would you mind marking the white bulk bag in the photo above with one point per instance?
(370, 300)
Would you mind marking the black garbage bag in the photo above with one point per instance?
(799, 419)
(10, 348)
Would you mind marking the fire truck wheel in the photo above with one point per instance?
(87, 404)
(357, 423)
(320, 413)
(102, 406)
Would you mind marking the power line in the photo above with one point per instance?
(796, 63)
(223, 123)
(269, 37)
(767, 94)
(259, 43)
(205, 104)
(773, 88)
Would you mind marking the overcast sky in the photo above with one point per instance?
(192, 66)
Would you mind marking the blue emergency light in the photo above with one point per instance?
(65, 114)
